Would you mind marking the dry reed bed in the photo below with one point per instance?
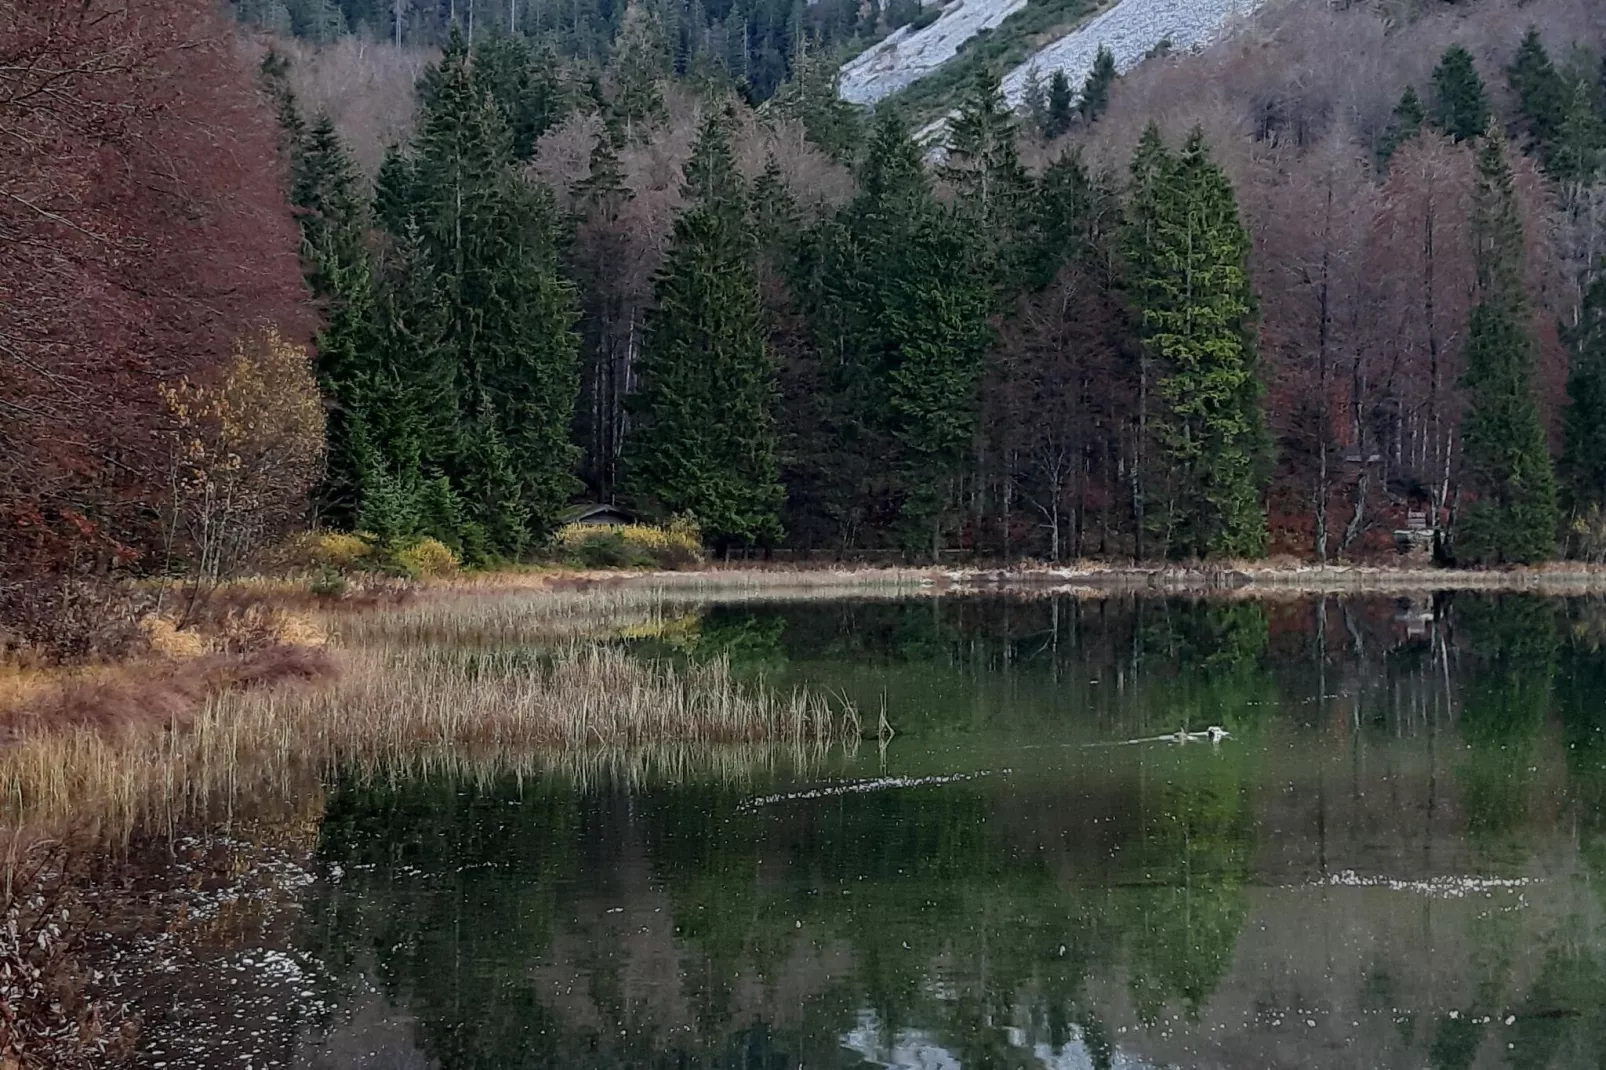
(590, 710)
(511, 616)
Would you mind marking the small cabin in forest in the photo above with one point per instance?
(599, 516)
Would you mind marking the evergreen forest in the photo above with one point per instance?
(1212, 308)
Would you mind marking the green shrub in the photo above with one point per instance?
(328, 583)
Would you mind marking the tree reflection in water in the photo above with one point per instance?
(1087, 903)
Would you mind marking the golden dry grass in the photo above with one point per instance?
(587, 709)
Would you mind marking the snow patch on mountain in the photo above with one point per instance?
(907, 56)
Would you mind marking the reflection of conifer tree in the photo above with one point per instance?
(1510, 644)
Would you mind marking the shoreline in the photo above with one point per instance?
(1091, 580)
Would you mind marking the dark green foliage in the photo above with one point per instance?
(1096, 90)
(1540, 92)
(982, 165)
(1404, 125)
(1460, 103)
(491, 239)
(898, 307)
(525, 82)
(446, 356)
(1187, 267)
(704, 438)
(1061, 105)
(1583, 462)
(1513, 515)
(1578, 151)
(810, 97)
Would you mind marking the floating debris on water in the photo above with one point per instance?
(855, 787)
(1447, 887)
(1214, 734)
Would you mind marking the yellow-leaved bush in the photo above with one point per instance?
(425, 558)
(244, 451)
(676, 545)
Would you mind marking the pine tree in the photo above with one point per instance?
(639, 68)
(1460, 104)
(1034, 99)
(1513, 517)
(526, 84)
(810, 96)
(1152, 175)
(704, 440)
(982, 162)
(1188, 258)
(1065, 210)
(1579, 148)
(899, 317)
(982, 165)
(394, 190)
(1583, 463)
(1061, 105)
(1540, 92)
(491, 238)
(1096, 90)
(927, 317)
(1404, 125)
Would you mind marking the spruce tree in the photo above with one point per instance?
(1583, 462)
(1578, 150)
(526, 84)
(639, 68)
(900, 318)
(1404, 125)
(1189, 262)
(1096, 90)
(491, 238)
(704, 438)
(1061, 104)
(982, 165)
(1540, 92)
(394, 190)
(1460, 104)
(1513, 515)
(810, 96)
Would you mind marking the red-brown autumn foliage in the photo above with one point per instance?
(144, 229)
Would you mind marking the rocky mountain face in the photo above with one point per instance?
(1131, 29)
(908, 54)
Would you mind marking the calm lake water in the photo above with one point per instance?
(1396, 857)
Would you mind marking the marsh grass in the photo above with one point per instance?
(585, 710)
(524, 609)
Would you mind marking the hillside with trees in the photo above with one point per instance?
(1271, 297)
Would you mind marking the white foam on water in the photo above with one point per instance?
(856, 787)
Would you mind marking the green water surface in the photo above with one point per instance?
(1396, 857)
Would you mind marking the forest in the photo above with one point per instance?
(264, 273)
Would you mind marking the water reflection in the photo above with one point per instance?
(1395, 858)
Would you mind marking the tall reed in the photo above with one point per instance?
(585, 709)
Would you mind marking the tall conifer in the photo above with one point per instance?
(1460, 103)
(704, 438)
(1583, 466)
(1540, 91)
(1513, 517)
(1189, 260)
(1096, 90)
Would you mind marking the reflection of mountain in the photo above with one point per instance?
(1085, 906)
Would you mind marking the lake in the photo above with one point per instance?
(1393, 855)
